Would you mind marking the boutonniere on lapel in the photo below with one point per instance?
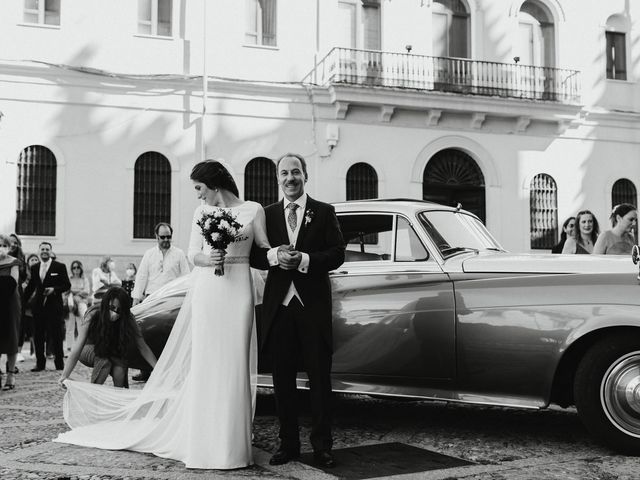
(308, 216)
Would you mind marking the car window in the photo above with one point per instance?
(409, 248)
(455, 232)
(369, 237)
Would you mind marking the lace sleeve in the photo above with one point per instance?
(195, 241)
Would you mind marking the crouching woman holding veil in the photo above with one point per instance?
(197, 407)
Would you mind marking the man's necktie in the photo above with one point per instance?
(292, 217)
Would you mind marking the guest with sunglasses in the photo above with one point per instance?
(107, 334)
(585, 234)
(159, 266)
(76, 302)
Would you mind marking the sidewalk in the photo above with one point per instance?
(31, 416)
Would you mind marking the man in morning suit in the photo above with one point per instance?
(49, 279)
(296, 309)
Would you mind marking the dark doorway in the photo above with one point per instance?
(453, 177)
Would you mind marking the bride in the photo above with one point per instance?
(198, 404)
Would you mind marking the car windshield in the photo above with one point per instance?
(457, 232)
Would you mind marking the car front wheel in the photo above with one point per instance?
(607, 392)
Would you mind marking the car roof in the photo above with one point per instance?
(407, 206)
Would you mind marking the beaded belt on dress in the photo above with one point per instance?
(230, 259)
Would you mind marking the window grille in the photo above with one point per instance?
(362, 182)
(152, 193)
(261, 22)
(543, 210)
(452, 177)
(260, 183)
(155, 17)
(624, 191)
(42, 12)
(36, 192)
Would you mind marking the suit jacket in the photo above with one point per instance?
(57, 278)
(322, 240)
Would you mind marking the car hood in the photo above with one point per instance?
(548, 263)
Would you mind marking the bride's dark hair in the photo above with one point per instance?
(213, 174)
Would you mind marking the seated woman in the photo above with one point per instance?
(105, 337)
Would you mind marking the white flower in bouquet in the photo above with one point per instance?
(220, 228)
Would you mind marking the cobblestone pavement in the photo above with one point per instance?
(502, 443)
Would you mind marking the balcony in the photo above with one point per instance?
(369, 68)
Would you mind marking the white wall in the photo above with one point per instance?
(97, 126)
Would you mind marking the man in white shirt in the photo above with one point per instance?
(159, 265)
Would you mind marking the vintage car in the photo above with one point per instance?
(428, 305)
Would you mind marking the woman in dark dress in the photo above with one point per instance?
(567, 231)
(11, 309)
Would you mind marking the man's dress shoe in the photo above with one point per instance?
(324, 459)
(283, 456)
(37, 369)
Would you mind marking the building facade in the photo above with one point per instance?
(522, 111)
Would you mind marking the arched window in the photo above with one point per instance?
(624, 191)
(536, 42)
(616, 47)
(36, 208)
(260, 182)
(450, 29)
(453, 177)
(151, 193)
(362, 182)
(543, 210)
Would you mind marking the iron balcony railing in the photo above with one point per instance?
(445, 74)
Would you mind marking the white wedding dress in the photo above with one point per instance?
(198, 404)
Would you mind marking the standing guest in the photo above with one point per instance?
(620, 239)
(103, 277)
(160, 265)
(10, 309)
(49, 280)
(76, 301)
(130, 278)
(15, 250)
(296, 307)
(26, 327)
(105, 338)
(585, 234)
(567, 231)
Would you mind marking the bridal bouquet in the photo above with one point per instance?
(220, 229)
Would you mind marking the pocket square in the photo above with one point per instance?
(54, 274)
